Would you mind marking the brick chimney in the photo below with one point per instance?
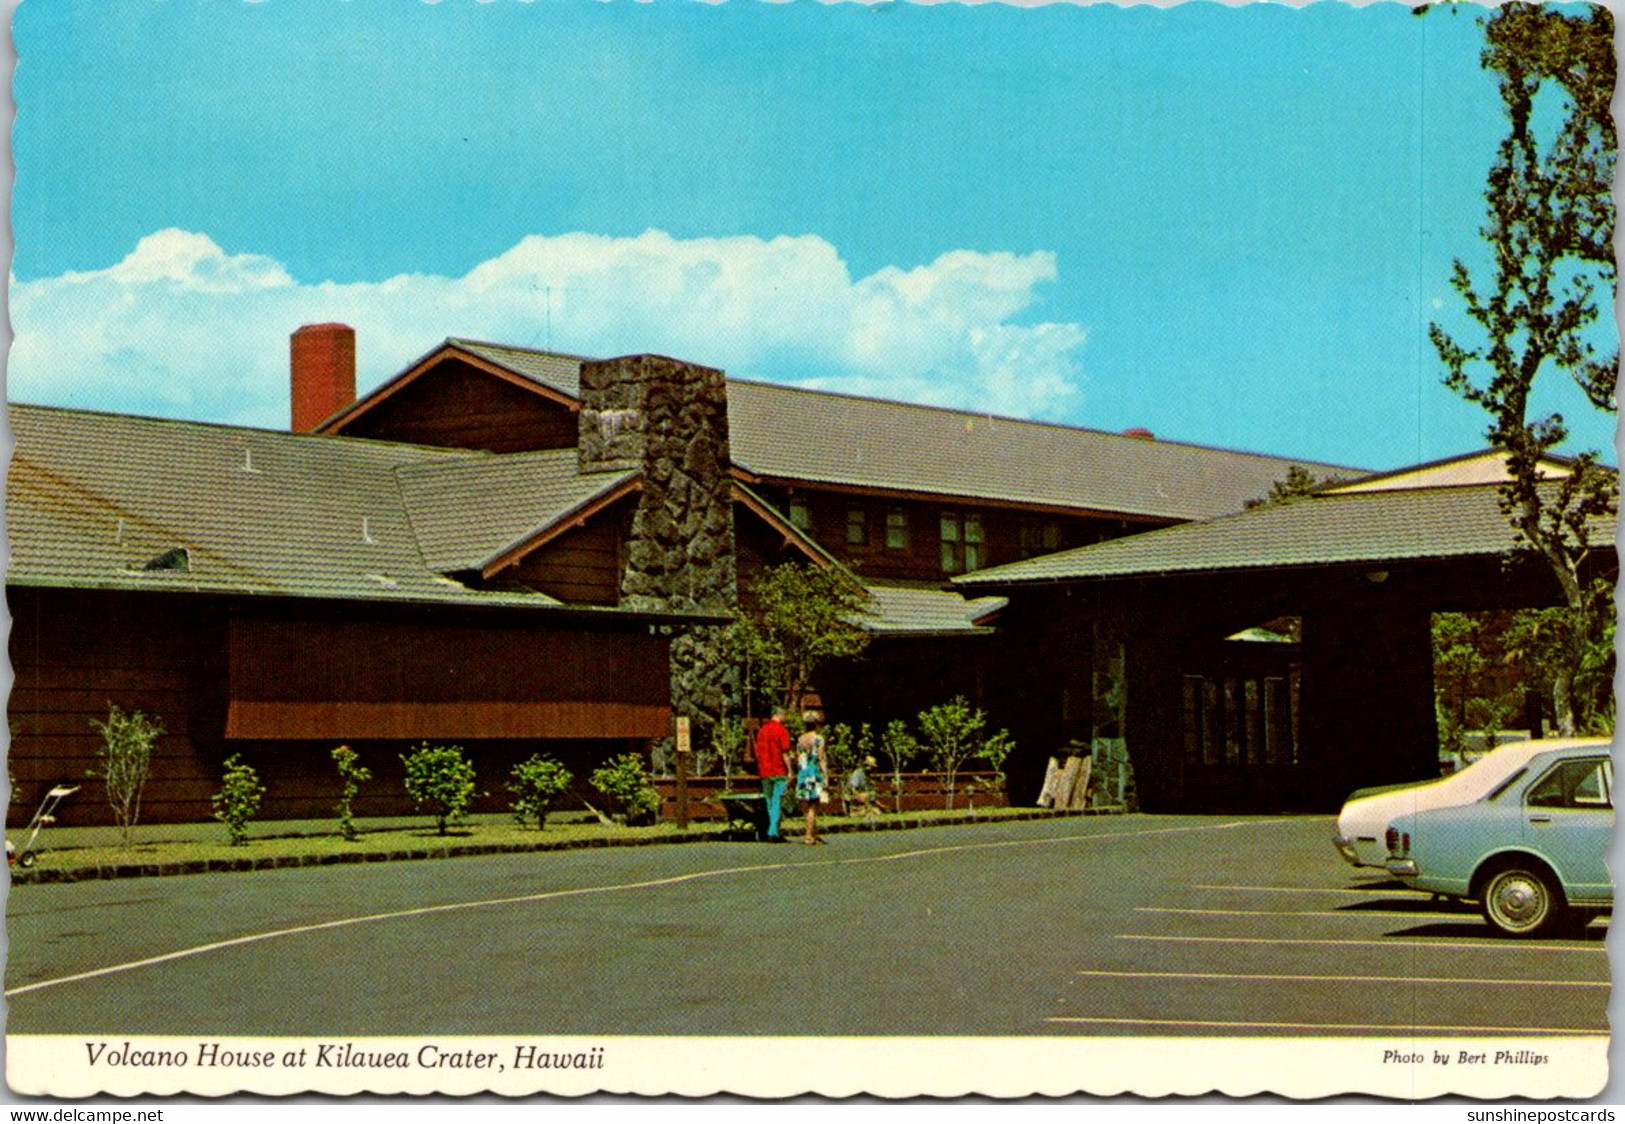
(322, 361)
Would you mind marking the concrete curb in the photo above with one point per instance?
(36, 876)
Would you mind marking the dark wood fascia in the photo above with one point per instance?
(953, 498)
(569, 521)
(388, 390)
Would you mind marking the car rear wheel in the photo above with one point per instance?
(1524, 900)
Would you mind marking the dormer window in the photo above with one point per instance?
(897, 529)
(1040, 537)
(963, 549)
(857, 527)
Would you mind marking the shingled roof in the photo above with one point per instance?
(108, 501)
(910, 610)
(467, 511)
(812, 436)
(1323, 530)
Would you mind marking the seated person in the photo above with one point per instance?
(861, 796)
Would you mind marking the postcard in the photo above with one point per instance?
(849, 549)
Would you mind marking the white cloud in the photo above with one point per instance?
(181, 327)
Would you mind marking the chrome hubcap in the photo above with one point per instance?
(1518, 900)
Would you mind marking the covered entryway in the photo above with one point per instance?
(1213, 721)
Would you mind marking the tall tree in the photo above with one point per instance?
(1550, 234)
(796, 618)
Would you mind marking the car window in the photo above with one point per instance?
(1573, 784)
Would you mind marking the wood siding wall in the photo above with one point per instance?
(459, 406)
(74, 652)
(582, 566)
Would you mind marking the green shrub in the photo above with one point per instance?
(238, 799)
(440, 779)
(535, 784)
(123, 762)
(354, 775)
(955, 733)
(625, 782)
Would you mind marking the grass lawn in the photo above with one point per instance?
(268, 848)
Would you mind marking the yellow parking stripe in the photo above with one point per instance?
(1587, 1032)
(1341, 979)
(1300, 912)
(1311, 890)
(1503, 946)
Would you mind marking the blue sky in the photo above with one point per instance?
(1229, 225)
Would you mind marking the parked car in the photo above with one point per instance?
(1532, 852)
(1366, 813)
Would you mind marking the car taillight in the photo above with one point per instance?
(1399, 843)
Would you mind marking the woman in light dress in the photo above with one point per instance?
(812, 773)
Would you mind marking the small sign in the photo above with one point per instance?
(683, 740)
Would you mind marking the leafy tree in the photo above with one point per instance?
(239, 798)
(353, 775)
(1542, 645)
(535, 783)
(1550, 234)
(897, 751)
(796, 618)
(625, 781)
(124, 761)
(1459, 661)
(440, 779)
(954, 733)
(1298, 483)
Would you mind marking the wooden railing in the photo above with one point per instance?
(921, 792)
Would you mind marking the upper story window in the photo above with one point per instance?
(1040, 537)
(857, 527)
(897, 529)
(963, 548)
(800, 513)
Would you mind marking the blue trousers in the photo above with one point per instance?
(773, 794)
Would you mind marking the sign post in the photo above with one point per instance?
(683, 744)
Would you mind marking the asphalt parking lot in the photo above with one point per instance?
(1139, 925)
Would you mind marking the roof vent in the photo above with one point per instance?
(176, 558)
(1140, 433)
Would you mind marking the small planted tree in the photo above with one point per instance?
(123, 762)
(440, 779)
(535, 784)
(728, 744)
(624, 781)
(897, 750)
(954, 734)
(238, 800)
(352, 775)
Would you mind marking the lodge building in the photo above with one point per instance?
(519, 550)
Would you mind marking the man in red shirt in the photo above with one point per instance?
(772, 747)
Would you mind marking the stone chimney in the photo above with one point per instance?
(669, 419)
(322, 362)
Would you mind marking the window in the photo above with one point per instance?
(800, 513)
(897, 529)
(1573, 784)
(1040, 537)
(963, 548)
(1230, 721)
(857, 527)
